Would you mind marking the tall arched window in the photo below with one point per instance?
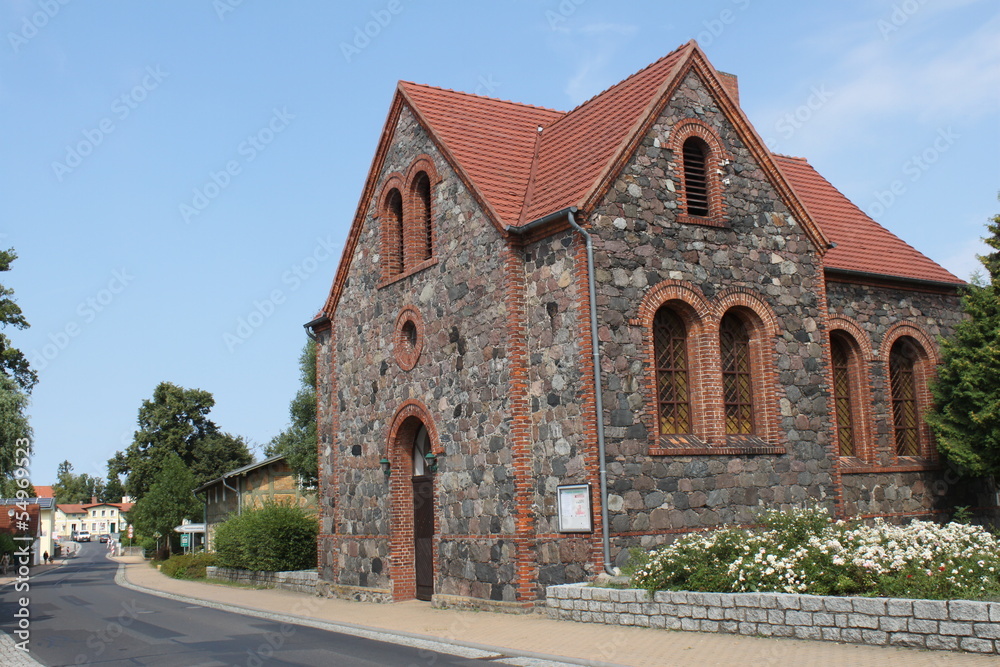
(843, 398)
(673, 387)
(903, 358)
(696, 176)
(422, 190)
(737, 378)
(394, 210)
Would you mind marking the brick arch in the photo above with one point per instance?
(392, 262)
(763, 327)
(398, 450)
(860, 384)
(861, 337)
(672, 290)
(717, 154)
(743, 297)
(924, 370)
(913, 330)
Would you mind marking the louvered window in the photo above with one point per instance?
(423, 192)
(672, 380)
(903, 385)
(737, 381)
(696, 176)
(395, 229)
(843, 400)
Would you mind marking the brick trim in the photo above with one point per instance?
(407, 353)
(401, 568)
(923, 372)
(717, 156)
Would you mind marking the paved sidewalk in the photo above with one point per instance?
(534, 634)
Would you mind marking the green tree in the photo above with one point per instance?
(168, 502)
(113, 489)
(966, 414)
(175, 421)
(298, 441)
(13, 363)
(71, 488)
(15, 431)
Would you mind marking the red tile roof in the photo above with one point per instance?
(862, 244)
(493, 141)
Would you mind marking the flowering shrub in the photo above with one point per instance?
(802, 551)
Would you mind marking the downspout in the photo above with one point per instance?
(239, 498)
(598, 389)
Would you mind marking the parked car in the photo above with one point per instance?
(103, 538)
(83, 536)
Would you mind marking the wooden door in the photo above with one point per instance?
(423, 535)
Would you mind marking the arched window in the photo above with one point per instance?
(696, 176)
(843, 395)
(673, 387)
(394, 210)
(903, 359)
(422, 191)
(737, 378)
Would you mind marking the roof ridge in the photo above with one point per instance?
(615, 85)
(481, 97)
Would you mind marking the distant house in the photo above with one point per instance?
(96, 517)
(250, 487)
(32, 516)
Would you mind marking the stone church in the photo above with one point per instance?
(554, 336)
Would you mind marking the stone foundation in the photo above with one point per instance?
(301, 581)
(953, 625)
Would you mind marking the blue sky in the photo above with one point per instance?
(178, 177)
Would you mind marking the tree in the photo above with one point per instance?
(70, 488)
(966, 414)
(168, 501)
(13, 363)
(298, 441)
(15, 431)
(113, 489)
(175, 421)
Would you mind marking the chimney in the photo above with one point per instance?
(731, 84)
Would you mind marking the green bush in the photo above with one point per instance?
(187, 566)
(273, 538)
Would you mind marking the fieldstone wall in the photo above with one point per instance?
(301, 581)
(640, 245)
(955, 625)
(461, 377)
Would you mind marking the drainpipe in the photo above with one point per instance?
(239, 498)
(568, 213)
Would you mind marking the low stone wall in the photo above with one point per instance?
(955, 625)
(303, 581)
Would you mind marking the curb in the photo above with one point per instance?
(472, 650)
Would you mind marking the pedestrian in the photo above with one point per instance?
(45, 557)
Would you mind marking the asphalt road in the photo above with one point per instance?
(79, 616)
